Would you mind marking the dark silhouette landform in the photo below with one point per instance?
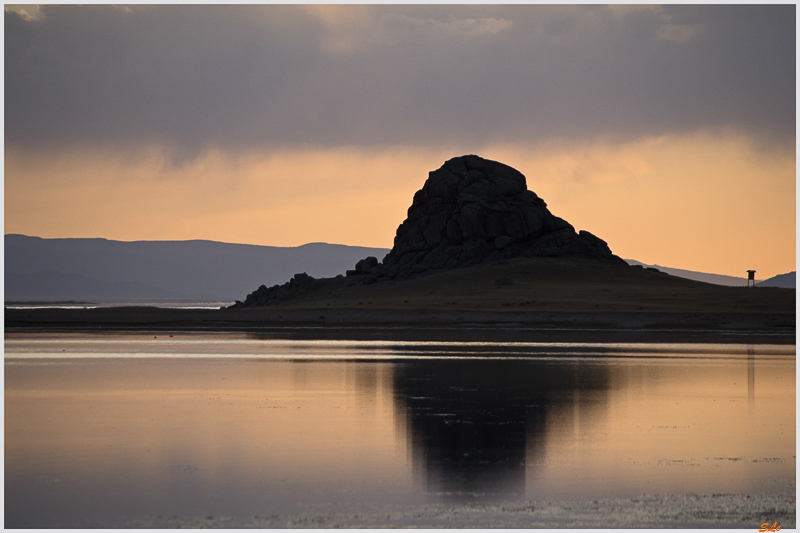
(478, 255)
(470, 211)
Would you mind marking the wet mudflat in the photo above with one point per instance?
(234, 430)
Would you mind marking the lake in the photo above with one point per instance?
(109, 430)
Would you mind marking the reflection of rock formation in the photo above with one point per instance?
(471, 422)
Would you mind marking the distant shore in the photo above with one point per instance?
(539, 299)
(45, 302)
(419, 324)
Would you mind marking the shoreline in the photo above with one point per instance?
(531, 299)
(419, 324)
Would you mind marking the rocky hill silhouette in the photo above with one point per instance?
(469, 211)
(473, 210)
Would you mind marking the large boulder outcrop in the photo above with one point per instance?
(473, 210)
(469, 211)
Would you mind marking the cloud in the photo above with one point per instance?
(238, 78)
(345, 29)
(27, 12)
(469, 27)
(361, 29)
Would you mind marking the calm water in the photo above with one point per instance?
(101, 428)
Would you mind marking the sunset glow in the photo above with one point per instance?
(283, 125)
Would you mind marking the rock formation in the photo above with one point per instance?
(299, 284)
(472, 210)
(469, 211)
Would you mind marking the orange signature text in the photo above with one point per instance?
(766, 527)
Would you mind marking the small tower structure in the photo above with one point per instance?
(751, 276)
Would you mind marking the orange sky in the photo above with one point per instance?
(707, 202)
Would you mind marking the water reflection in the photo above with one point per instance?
(473, 426)
(210, 425)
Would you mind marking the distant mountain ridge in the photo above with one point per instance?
(716, 279)
(102, 269)
(784, 281)
(197, 270)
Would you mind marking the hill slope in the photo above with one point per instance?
(786, 281)
(716, 279)
(564, 284)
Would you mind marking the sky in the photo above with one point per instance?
(668, 131)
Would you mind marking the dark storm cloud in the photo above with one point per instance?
(190, 77)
